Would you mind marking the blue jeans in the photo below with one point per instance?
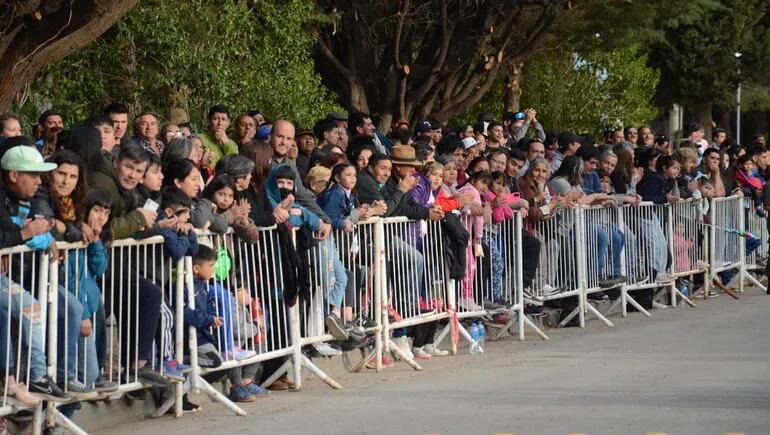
(77, 354)
(14, 299)
(337, 292)
(602, 237)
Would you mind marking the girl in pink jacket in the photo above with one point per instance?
(477, 185)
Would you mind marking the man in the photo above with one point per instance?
(424, 133)
(327, 132)
(372, 178)
(607, 161)
(280, 139)
(9, 126)
(711, 166)
(146, 133)
(215, 137)
(104, 124)
(759, 138)
(21, 167)
(360, 124)
(496, 139)
(590, 157)
(718, 137)
(436, 130)
(305, 146)
(170, 132)
(51, 125)
(498, 160)
(647, 136)
(120, 180)
(520, 126)
(694, 133)
(118, 113)
(533, 149)
(631, 134)
(618, 136)
(569, 143)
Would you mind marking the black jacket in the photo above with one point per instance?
(400, 203)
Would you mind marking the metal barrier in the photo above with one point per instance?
(727, 246)
(22, 325)
(756, 261)
(343, 275)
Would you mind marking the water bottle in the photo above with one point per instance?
(474, 332)
(480, 340)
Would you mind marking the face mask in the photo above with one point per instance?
(285, 192)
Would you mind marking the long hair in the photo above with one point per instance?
(571, 168)
(261, 153)
(100, 197)
(78, 195)
(625, 166)
(221, 181)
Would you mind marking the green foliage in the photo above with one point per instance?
(193, 54)
(585, 92)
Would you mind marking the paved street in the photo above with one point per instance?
(686, 371)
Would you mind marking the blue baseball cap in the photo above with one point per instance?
(264, 131)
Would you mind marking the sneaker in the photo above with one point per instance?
(324, 349)
(432, 350)
(612, 281)
(21, 393)
(48, 390)
(147, 375)
(419, 353)
(80, 391)
(239, 354)
(404, 345)
(492, 306)
(501, 319)
(171, 373)
(336, 327)
(549, 290)
(504, 302)
(239, 393)
(598, 296)
(533, 310)
(181, 368)
(256, 390)
(104, 386)
(713, 294)
(386, 362)
(187, 406)
(664, 278)
(637, 280)
(468, 305)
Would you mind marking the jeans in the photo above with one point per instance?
(602, 238)
(72, 353)
(14, 299)
(327, 254)
(407, 272)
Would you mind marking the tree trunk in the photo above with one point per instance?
(35, 36)
(513, 88)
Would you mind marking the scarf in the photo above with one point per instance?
(66, 208)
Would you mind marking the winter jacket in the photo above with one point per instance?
(401, 204)
(367, 190)
(307, 219)
(125, 219)
(177, 245)
(654, 187)
(202, 216)
(338, 205)
(84, 267)
(200, 317)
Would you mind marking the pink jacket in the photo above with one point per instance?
(682, 248)
(473, 224)
(504, 211)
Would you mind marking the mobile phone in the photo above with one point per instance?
(151, 205)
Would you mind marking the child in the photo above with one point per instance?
(477, 185)
(221, 193)
(280, 189)
(750, 185)
(501, 211)
(682, 247)
(317, 179)
(604, 179)
(149, 189)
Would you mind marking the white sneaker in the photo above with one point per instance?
(432, 350)
(419, 353)
(324, 349)
(468, 305)
(403, 345)
(665, 278)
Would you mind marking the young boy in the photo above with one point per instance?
(203, 318)
(604, 179)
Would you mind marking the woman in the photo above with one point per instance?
(245, 130)
(533, 188)
(624, 177)
(190, 149)
(262, 213)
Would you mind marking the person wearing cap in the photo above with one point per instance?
(21, 167)
(245, 130)
(215, 136)
(305, 145)
(338, 118)
(520, 126)
(424, 132)
(569, 143)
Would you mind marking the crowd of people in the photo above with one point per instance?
(95, 183)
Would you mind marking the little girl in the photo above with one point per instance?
(221, 193)
(501, 211)
(750, 185)
(476, 186)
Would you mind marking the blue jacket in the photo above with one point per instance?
(177, 245)
(308, 218)
(83, 268)
(336, 204)
(592, 184)
(200, 317)
(654, 187)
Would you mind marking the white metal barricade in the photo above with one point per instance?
(727, 246)
(343, 271)
(23, 319)
(418, 287)
(756, 261)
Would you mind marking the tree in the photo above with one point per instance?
(243, 54)
(38, 34)
(412, 58)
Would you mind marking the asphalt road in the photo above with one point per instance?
(685, 371)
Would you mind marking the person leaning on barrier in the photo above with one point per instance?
(710, 166)
(21, 167)
(120, 180)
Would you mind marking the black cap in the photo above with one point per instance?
(568, 137)
(336, 116)
(486, 117)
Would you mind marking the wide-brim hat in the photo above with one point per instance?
(404, 155)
